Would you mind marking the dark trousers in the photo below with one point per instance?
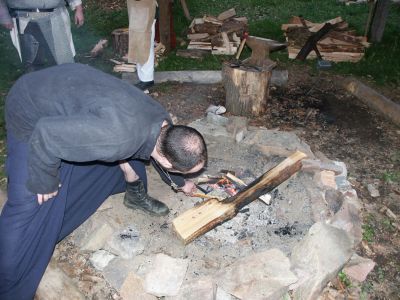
(29, 231)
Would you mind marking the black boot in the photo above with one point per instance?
(144, 85)
(137, 198)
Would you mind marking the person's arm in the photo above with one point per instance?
(5, 18)
(76, 5)
(80, 138)
(175, 180)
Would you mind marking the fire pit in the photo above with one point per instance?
(296, 243)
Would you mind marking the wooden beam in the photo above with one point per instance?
(211, 213)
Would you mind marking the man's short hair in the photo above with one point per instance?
(183, 146)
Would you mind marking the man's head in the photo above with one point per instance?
(182, 148)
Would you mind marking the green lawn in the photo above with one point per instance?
(265, 18)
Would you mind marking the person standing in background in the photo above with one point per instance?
(41, 30)
(142, 14)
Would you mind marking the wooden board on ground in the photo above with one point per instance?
(211, 213)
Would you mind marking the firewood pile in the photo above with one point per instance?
(219, 35)
(339, 44)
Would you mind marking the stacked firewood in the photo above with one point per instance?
(338, 45)
(220, 35)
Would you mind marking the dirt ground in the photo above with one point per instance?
(342, 128)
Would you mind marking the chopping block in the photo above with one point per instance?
(260, 49)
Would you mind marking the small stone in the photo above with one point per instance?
(358, 268)
(325, 179)
(239, 136)
(373, 191)
(166, 275)
(101, 258)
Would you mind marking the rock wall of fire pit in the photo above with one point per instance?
(297, 243)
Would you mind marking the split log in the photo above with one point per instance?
(197, 36)
(98, 48)
(227, 14)
(120, 41)
(125, 68)
(247, 89)
(211, 213)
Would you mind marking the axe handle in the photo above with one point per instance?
(241, 47)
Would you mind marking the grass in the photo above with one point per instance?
(368, 228)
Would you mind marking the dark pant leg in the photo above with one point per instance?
(28, 231)
(35, 51)
(90, 185)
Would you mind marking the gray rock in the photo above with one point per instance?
(200, 289)
(101, 258)
(348, 217)
(216, 119)
(373, 191)
(210, 129)
(318, 258)
(264, 275)
(125, 243)
(166, 275)
(274, 142)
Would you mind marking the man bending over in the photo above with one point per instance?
(75, 136)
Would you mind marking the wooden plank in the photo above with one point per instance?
(210, 213)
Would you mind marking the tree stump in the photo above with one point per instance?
(120, 41)
(247, 89)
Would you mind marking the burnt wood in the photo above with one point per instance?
(211, 213)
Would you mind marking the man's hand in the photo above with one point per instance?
(44, 197)
(79, 18)
(189, 188)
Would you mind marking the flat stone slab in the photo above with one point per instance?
(166, 276)
(318, 258)
(264, 275)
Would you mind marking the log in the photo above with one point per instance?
(227, 14)
(247, 90)
(98, 48)
(211, 213)
(120, 41)
(373, 99)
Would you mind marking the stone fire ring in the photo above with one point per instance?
(262, 253)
